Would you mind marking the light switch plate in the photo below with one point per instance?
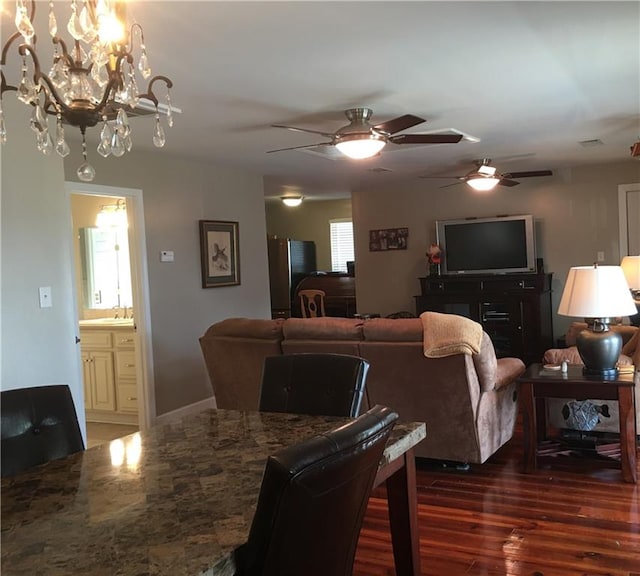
(45, 297)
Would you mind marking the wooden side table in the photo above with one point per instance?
(537, 384)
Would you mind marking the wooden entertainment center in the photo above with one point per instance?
(514, 309)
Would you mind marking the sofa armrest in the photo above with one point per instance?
(494, 374)
(507, 370)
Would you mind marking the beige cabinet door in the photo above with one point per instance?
(87, 379)
(103, 385)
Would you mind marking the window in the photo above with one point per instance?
(341, 244)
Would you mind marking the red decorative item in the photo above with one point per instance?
(434, 258)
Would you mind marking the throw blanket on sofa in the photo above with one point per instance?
(449, 334)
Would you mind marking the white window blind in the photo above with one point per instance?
(341, 244)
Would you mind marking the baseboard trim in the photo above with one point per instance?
(207, 403)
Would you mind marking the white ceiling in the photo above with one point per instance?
(530, 79)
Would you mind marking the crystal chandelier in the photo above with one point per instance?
(92, 79)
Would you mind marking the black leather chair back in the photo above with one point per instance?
(38, 424)
(317, 384)
(313, 499)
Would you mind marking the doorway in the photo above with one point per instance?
(111, 296)
(629, 219)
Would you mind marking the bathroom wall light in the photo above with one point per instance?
(291, 201)
(113, 215)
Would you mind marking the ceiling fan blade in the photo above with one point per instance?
(506, 182)
(299, 147)
(400, 123)
(447, 185)
(326, 134)
(456, 177)
(426, 138)
(528, 174)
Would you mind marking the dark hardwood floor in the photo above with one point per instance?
(571, 518)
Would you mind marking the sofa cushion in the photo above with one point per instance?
(393, 330)
(324, 328)
(247, 327)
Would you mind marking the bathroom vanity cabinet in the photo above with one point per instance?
(109, 371)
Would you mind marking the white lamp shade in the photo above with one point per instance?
(596, 292)
(360, 147)
(631, 267)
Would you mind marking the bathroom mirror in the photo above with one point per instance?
(106, 270)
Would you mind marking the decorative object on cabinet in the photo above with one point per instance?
(434, 259)
(219, 252)
(388, 239)
(598, 294)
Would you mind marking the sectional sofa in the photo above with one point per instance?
(468, 401)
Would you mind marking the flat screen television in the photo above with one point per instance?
(499, 245)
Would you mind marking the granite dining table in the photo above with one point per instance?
(176, 499)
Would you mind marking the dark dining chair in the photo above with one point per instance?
(38, 425)
(318, 384)
(313, 499)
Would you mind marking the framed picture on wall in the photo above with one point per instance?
(389, 239)
(219, 253)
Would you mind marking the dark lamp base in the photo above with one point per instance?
(599, 350)
(608, 373)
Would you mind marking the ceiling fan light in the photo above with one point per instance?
(291, 201)
(360, 146)
(483, 183)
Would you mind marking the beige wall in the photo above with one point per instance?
(309, 221)
(178, 192)
(576, 215)
(38, 345)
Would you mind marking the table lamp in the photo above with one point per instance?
(597, 294)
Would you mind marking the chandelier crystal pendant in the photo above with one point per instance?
(93, 79)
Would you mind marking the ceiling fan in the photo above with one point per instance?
(359, 139)
(485, 177)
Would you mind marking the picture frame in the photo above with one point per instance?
(388, 239)
(219, 253)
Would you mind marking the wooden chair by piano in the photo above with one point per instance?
(312, 303)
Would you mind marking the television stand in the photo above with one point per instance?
(513, 309)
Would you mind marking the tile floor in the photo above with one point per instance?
(99, 433)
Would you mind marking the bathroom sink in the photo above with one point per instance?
(107, 322)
